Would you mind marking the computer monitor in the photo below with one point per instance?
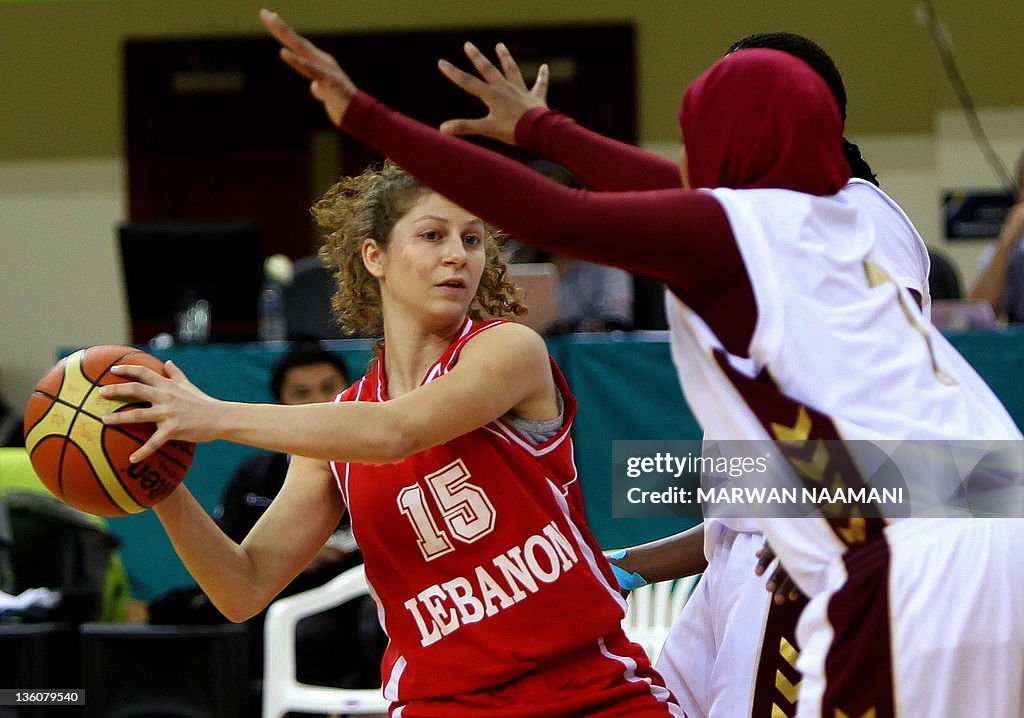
(163, 263)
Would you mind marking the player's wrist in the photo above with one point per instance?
(628, 580)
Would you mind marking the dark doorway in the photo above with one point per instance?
(219, 128)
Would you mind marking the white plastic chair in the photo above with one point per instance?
(652, 610)
(282, 693)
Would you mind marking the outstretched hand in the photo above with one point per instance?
(176, 406)
(503, 91)
(779, 584)
(328, 82)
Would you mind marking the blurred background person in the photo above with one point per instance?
(1000, 275)
(591, 297)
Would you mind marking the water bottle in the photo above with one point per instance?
(272, 324)
(193, 321)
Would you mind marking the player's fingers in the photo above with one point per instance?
(301, 66)
(509, 67)
(128, 392)
(484, 66)
(463, 127)
(174, 372)
(780, 577)
(330, 77)
(462, 79)
(151, 445)
(299, 53)
(283, 32)
(765, 555)
(540, 86)
(130, 416)
(782, 587)
(775, 582)
(136, 372)
(778, 594)
(285, 35)
(318, 89)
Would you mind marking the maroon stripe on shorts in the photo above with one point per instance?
(776, 679)
(858, 667)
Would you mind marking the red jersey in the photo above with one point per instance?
(477, 550)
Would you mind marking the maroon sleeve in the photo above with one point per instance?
(600, 162)
(678, 236)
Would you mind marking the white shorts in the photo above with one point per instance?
(925, 621)
(712, 658)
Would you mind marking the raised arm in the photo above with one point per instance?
(505, 368)
(677, 236)
(991, 282)
(517, 115)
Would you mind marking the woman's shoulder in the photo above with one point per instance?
(506, 331)
(504, 340)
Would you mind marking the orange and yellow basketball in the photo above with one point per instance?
(82, 461)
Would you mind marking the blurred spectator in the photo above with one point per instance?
(591, 297)
(943, 276)
(1000, 276)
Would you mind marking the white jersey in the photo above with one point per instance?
(833, 333)
(713, 659)
(899, 249)
(840, 351)
(835, 336)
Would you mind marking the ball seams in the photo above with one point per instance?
(124, 431)
(65, 407)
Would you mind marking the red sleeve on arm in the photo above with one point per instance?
(600, 162)
(678, 236)
(681, 237)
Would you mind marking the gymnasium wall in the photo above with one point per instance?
(62, 174)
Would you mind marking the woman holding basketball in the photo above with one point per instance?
(784, 325)
(454, 458)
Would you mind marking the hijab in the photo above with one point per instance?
(762, 118)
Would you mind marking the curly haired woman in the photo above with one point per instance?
(454, 458)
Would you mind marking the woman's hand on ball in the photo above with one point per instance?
(176, 406)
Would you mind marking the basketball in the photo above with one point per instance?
(84, 462)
